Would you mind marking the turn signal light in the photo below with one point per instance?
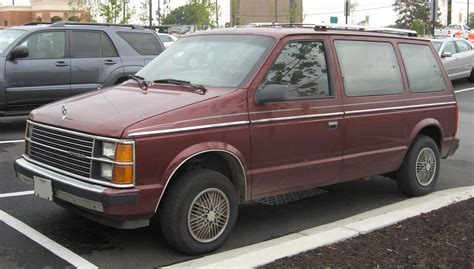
(123, 174)
(124, 153)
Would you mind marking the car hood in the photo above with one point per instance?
(109, 111)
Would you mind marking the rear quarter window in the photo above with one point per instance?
(423, 72)
(142, 43)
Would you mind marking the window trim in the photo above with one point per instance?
(434, 57)
(332, 95)
(343, 88)
(66, 44)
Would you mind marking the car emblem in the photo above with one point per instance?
(64, 112)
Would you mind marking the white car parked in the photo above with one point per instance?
(457, 55)
(167, 39)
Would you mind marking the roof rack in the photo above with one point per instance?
(36, 23)
(363, 28)
(63, 23)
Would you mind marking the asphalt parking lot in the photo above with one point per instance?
(145, 248)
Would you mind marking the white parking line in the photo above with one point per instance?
(44, 241)
(12, 141)
(13, 194)
(464, 90)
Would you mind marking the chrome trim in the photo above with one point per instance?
(298, 117)
(122, 141)
(31, 166)
(398, 108)
(192, 128)
(292, 109)
(194, 155)
(79, 201)
(99, 182)
(396, 100)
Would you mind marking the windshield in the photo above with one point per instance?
(7, 37)
(210, 60)
(437, 45)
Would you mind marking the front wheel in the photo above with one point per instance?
(199, 211)
(419, 172)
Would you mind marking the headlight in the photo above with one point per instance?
(106, 170)
(29, 128)
(108, 150)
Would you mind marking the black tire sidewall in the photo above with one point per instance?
(194, 183)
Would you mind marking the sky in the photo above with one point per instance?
(380, 12)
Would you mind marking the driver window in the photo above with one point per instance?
(46, 45)
(450, 47)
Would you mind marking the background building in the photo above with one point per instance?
(38, 10)
(251, 11)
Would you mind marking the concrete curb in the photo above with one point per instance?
(292, 244)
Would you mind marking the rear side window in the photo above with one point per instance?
(423, 72)
(302, 67)
(90, 44)
(463, 46)
(369, 68)
(143, 43)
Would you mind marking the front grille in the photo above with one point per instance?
(61, 150)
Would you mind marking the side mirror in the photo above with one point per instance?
(19, 52)
(272, 93)
(446, 54)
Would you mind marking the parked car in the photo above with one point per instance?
(239, 114)
(457, 55)
(454, 30)
(42, 63)
(167, 39)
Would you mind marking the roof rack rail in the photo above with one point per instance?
(362, 28)
(63, 23)
(36, 23)
(283, 25)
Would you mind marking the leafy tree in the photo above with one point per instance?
(410, 11)
(143, 14)
(294, 12)
(111, 11)
(471, 20)
(195, 12)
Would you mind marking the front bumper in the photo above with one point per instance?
(120, 208)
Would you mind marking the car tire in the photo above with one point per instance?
(419, 172)
(471, 77)
(199, 211)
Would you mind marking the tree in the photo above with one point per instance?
(294, 12)
(411, 12)
(195, 12)
(471, 20)
(352, 8)
(83, 10)
(112, 10)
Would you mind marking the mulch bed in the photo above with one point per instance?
(443, 238)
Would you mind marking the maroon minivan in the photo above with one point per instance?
(227, 116)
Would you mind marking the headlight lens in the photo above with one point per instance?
(108, 150)
(29, 127)
(106, 170)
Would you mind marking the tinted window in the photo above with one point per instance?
(143, 43)
(368, 68)
(302, 67)
(450, 47)
(424, 74)
(108, 49)
(463, 46)
(85, 44)
(46, 45)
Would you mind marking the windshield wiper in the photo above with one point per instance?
(182, 82)
(141, 81)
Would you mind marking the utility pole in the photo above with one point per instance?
(450, 3)
(467, 20)
(346, 10)
(159, 12)
(434, 13)
(276, 11)
(150, 2)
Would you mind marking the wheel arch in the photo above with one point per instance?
(233, 158)
(429, 127)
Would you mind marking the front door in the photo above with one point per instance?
(93, 59)
(43, 76)
(297, 140)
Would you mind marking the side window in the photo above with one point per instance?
(165, 38)
(143, 43)
(302, 67)
(369, 68)
(108, 49)
(450, 47)
(424, 74)
(46, 45)
(463, 46)
(85, 44)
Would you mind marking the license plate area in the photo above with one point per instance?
(43, 188)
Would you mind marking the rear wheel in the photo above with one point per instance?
(199, 211)
(419, 172)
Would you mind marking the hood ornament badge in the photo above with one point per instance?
(64, 112)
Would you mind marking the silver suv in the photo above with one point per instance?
(41, 63)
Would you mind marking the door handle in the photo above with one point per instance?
(109, 62)
(61, 63)
(332, 125)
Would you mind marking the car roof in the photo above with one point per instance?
(74, 25)
(280, 32)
